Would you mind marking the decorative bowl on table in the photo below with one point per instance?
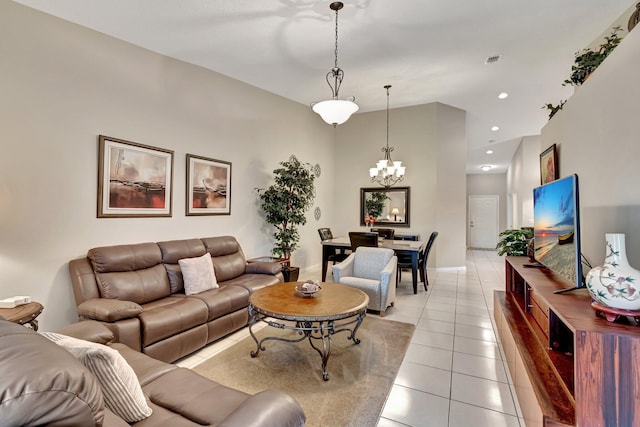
(308, 288)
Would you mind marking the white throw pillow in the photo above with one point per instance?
(198, 274)
(119, 383)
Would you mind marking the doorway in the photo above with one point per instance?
(483, 221)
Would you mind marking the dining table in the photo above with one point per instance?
(401, 247)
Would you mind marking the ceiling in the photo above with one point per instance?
(428, 50)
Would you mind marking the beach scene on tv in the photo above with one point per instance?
(554, 227)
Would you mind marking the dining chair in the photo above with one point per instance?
(363, 238)
(373, 271)
(387, 233)
(326, 234)
(405, 262)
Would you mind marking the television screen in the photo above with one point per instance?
(557, 228)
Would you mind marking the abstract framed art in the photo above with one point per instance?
(208, 186)
(549, 165)
(134, 180)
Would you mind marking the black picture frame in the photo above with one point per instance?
(396, 197)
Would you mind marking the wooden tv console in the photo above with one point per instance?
(569, 366)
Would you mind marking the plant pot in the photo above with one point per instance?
(291, 274)
(615, 283)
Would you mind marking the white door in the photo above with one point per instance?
(483, 221)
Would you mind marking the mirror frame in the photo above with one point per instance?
(380, 222)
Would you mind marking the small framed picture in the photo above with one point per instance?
(208, 186)
(134, 180)
(549, 165)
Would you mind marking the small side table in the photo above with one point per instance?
(24, 314)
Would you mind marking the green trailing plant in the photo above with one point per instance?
(553, 109)
(375, 204)
(286, 202)
(514, 242)
(587, 60)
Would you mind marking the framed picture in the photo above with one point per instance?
(208, 186)
(134, 180)
(549, 165)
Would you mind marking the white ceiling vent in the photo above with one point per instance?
(493, 59)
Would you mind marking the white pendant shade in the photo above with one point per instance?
(335, 111)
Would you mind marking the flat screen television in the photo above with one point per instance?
(556, 229)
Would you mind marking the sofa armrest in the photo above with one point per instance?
(344, 269)
(89, 330)
(261, 267)
(108, 310)
(268, 407)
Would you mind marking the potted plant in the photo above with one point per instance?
(285, 204)
(587, 60)
(514, 242)
(553, 109)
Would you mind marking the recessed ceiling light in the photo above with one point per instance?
(495, 128)
(503, 95)
(489, 151)
(485, 168)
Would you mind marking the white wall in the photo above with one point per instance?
(597, 135)
(62, 85)
(490, 184)
(523, 175)
(430, 140)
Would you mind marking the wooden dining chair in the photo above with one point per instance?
(336, 256)
(362, 238)
(387, 233)
(405, 262)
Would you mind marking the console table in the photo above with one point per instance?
(569, 366)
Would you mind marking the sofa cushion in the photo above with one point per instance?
(42, 383)
(198, 274)
(169, 316)
(130, 272)
(253, 282)
(174, 250)
(224, 300)
(228, 259)
(122, 392)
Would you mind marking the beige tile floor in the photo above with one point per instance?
(453, 374)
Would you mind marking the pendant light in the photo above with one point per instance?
(387, 172)
(335, 111)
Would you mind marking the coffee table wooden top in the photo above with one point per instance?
(332, 302)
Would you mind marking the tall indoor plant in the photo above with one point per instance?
(286, 202)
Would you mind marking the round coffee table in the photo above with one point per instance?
(329, 311)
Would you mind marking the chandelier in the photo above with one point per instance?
(335, 111)
(387, 172)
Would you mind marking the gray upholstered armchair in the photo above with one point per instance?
(373, 271)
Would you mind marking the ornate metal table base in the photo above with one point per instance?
(320, 330)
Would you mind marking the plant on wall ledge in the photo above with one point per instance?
(553, 109)
(587, 60)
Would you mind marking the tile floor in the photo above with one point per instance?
(453, 374)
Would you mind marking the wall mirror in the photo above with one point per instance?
(388, 206)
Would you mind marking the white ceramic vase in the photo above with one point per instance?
(615, 284)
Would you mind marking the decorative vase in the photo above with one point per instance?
(615, 284)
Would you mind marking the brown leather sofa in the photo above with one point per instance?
(137, 291)
(44, 384)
